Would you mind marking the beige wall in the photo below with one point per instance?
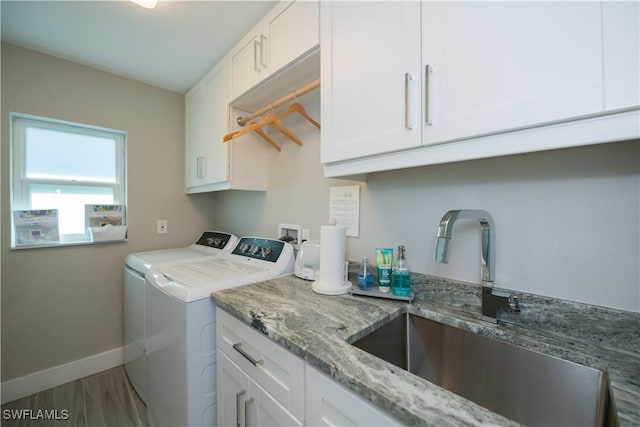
(63, 304)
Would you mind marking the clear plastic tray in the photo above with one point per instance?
(374, 292)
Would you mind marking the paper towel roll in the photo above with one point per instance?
(331, 280)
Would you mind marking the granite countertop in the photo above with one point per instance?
(320, 328)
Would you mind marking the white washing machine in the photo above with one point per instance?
(181, 329)
(210, 243)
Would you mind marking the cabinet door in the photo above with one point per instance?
(279, 372)
(331, 404)
(621, 20)
(371, 89)
(263, 410)
(499, 66)
(291, 29)
(194, 114)
(207, 118)
(216, 119)
(247, 63)
(233, 392)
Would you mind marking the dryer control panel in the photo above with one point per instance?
(214, 239)
(259, 248)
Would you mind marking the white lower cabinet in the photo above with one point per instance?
(259, 382)
(233, 386)
(242, 402)
(262, 384)
(332, 404)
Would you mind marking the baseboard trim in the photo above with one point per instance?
(62, 374)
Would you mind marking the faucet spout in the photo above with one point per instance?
(487, 252)
(492, 300)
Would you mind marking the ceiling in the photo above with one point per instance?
(171, 46)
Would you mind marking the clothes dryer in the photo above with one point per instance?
(210, 243)
(181, 329)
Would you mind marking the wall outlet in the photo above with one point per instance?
(161, 226)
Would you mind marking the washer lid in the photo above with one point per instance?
(205, 272)
(196, 280)
(254, 259)
(143, 261)
(209, 243)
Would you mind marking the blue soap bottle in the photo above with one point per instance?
(400, 275)
(364, 280)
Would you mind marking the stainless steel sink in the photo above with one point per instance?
(524, 385)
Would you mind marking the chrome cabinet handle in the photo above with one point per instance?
(427, 95)
(239, 349)
(247, 402)
(407, 78)
(201, 170)
(256, 45)
(238, 397)
(263, 40)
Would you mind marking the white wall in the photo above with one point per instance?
(567, 221)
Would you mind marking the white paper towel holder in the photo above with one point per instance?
(331, 285)
(330, 289)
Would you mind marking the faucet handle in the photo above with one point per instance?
(514, 303)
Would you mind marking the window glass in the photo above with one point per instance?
(66, 178)
(70, 201)
(67, 156)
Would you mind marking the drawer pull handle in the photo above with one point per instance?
(238, 347)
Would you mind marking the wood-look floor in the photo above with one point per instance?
(104, 399)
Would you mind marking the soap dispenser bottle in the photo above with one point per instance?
(400, 276)
(365, 275)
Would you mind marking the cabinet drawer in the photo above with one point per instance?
(276, 370)
(329, 403)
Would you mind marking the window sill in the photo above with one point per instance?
(65, 244)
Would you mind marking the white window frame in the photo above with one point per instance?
(19, 199)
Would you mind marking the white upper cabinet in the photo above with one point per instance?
(370, 76)
(247, 63)
(207, 116)
(194, 147)
(416, 83)
(498, 66)
(210, 164)
(287, 32)
(621, 34)
(292, 29)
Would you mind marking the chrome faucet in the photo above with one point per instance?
(491, 300)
